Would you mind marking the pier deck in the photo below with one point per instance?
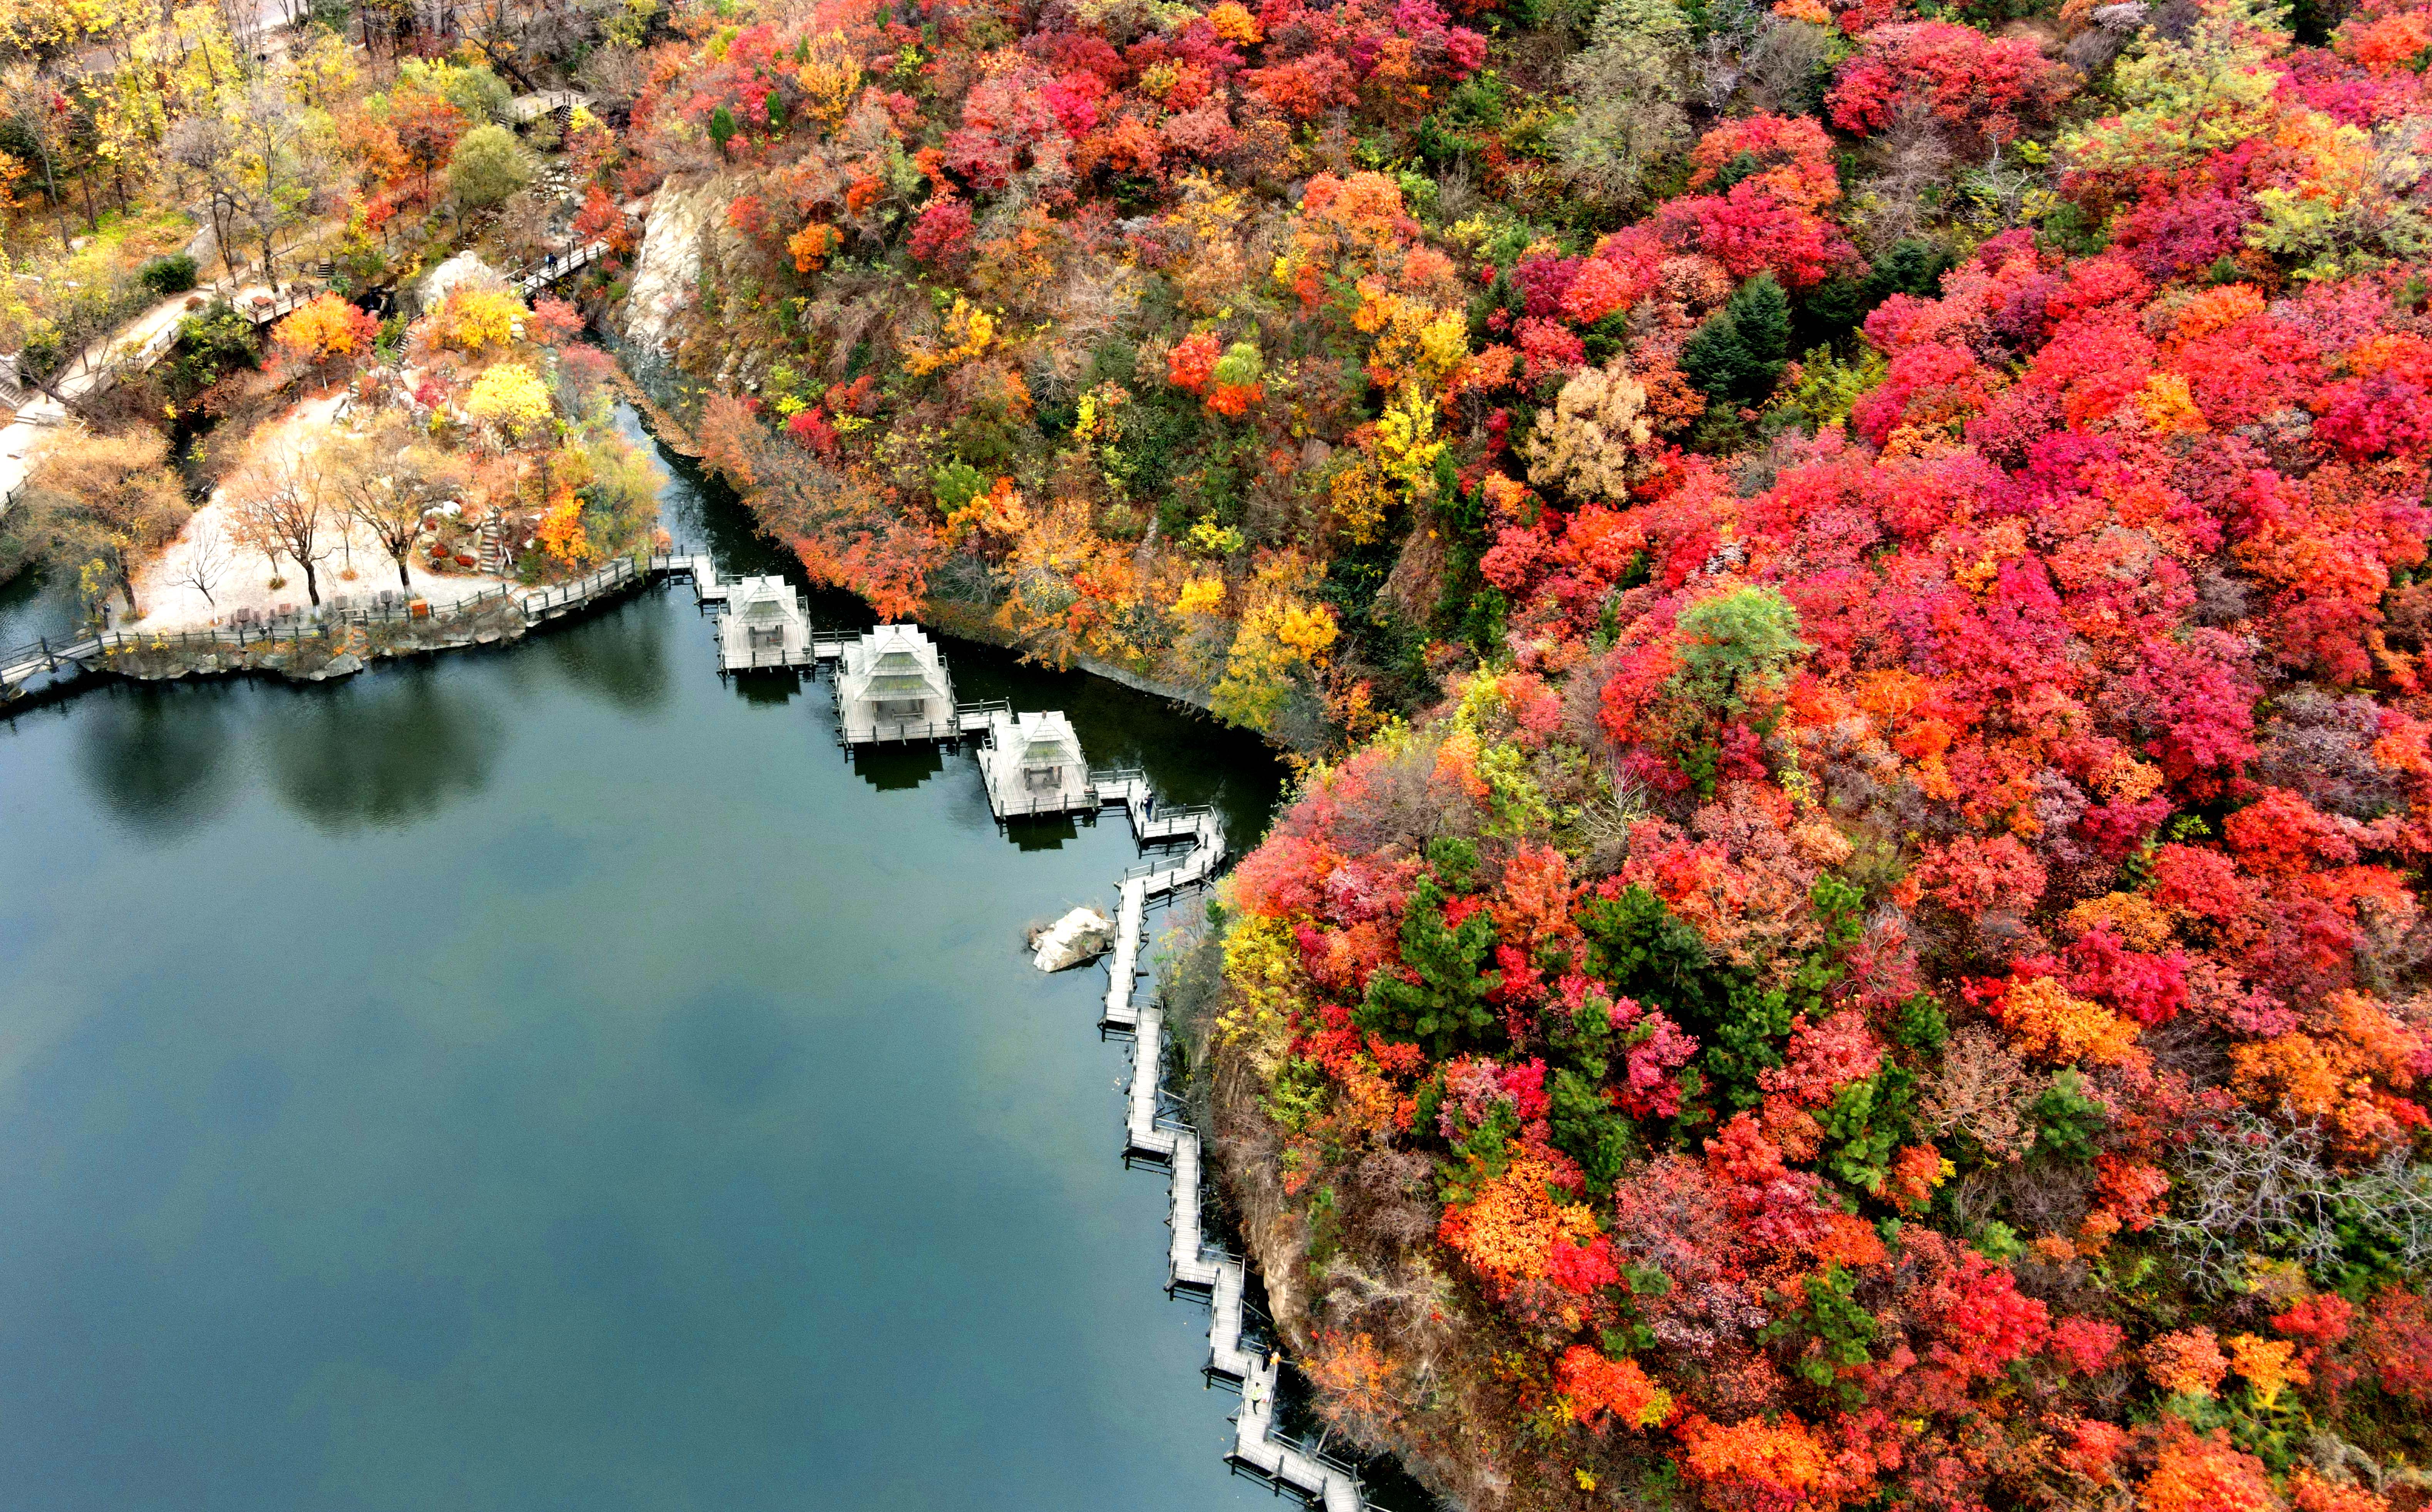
(1194, 1262)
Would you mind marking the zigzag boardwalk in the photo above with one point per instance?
(1193, 1261)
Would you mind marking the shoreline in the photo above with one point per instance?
(171, 655)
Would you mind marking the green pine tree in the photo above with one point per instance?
(1446, 1006)
(1736, 356)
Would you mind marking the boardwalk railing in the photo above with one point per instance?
(881, 732)
(1035, 806)
(560, 264)
(265, 308)
(1154, 1131)
(548, 604)
(329, 622)
(759, 658)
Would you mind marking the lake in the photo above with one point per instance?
(554, 1077)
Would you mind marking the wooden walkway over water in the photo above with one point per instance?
(1193, 1260)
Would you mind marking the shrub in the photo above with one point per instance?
(174, 273)
(489, 166)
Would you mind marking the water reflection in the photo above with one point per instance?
(157, 754)
(623, 658)
(895, 767)
(1041, 834)
(36, 603)
(385, 749)
(770, 686)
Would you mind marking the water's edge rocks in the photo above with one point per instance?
(312, 653)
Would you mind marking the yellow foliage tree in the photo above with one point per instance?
(812, 245)
(474, 320)
(1204, 595)
(831, 78)
(511, 397)
(1283, 636)
(324, 330)
(969, 330)
(562, 535)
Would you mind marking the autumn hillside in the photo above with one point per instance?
(1847, 580)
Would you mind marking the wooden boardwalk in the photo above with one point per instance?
(1193, 1261)
(558, 265)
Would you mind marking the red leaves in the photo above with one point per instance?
(2397, 1339)
(1772, 1204)
(1192, 364)
(2084, 1346)
(1651, 1087)
(1791, 156)
(2193, 1474)
(1968, 875)
(1983, 1323)
(745, 214)
(1581, 1269)
(2281, 834)
(1758, 1465)
(943, 231)
(1965, 78)
(1751, 230)
(1823, 1058)
(599, 218)
(1597, 1386)
(553, 322)
(2320, 1321)
(2147, 987)
(1928, 387)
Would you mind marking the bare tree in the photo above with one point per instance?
(1630, 82)
(1787, 60)
(281, 171)
(202, 147)
(2248, 1185)
(280, 506)
(206, 562)
(614, 74)
(385, 476)
(525, 223)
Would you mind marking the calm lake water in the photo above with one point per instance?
(557, 1077)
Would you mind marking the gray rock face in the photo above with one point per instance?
(1084, 934)
(345, 664)
(668, 271)
(463, 267)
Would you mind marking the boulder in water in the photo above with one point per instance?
(1084, 934)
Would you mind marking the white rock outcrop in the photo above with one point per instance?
(668, 270)
(464, 268)
(1084, 934)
